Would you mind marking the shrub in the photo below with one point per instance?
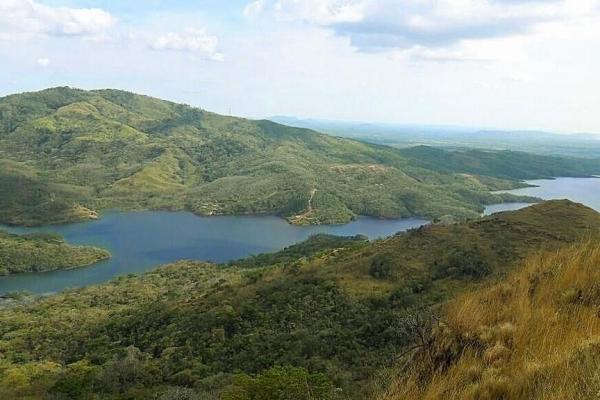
(464, 263)
(381, 266)
(179, 393)
(281, 383)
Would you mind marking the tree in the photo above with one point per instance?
(381, 266)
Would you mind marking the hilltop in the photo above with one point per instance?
(332, 313)
(67, 154)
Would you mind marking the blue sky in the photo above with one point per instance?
(512, 64)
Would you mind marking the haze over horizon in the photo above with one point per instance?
(408, 124)
(508, 65)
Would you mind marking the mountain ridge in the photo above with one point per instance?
(400, 135)
(67, 154)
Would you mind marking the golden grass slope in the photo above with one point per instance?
(534, 336)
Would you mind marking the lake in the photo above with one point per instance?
(580, 190)
(139, 241)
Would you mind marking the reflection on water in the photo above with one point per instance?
(139, 241)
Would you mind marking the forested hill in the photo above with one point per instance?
(43, 252)
(66, 154)
(320, 320)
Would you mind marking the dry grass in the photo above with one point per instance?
(534, 336)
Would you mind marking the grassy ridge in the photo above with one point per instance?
(332, 316)
(533, 336)
(425, 264)
(43, 252)
(66, 154)
(314, 245)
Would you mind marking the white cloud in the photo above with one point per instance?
(323, 12)
(43, 62)
(442, 55)
(28, 17)
(545, 78)
(378, 25)
(254, 8)
(195, 41)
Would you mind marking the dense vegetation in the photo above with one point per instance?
(532, 336)
(321, 325)
(66, 154)
(502, 164)
(43, 252)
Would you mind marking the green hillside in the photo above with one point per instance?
(322, 325)
(312, 246)
(43, 252)
(67, 154)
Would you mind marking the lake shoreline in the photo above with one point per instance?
(143, 240)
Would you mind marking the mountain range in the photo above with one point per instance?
(68, 154)
(452, 137)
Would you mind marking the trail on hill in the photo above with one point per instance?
(309, 209)
(310, 199)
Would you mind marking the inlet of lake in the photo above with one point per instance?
(581, 190)
(139, 241)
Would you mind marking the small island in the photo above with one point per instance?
(43, 252)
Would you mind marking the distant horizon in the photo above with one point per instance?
(452, 126)
(391, 124)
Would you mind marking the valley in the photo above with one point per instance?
(155, 250)
(333, 312)
(140, 241)
(299, 200)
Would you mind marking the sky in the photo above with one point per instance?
(506, 64)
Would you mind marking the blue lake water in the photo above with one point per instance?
(139, 241)
(580, 190)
